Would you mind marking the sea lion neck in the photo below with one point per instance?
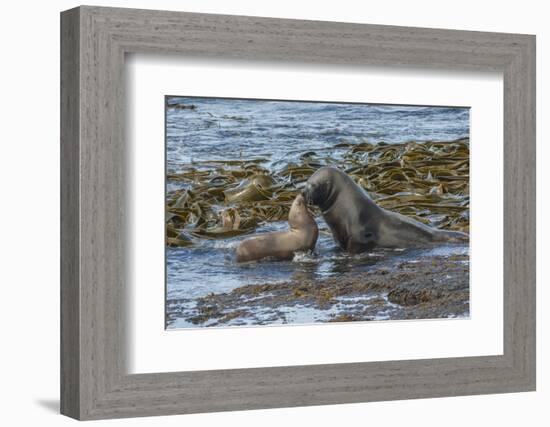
(300, 218)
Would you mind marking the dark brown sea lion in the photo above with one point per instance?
(282, 245)
(358, 224)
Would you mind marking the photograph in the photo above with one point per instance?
(286, 212)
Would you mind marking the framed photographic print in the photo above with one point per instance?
(262, 213)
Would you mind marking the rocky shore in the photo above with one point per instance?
(428, 288)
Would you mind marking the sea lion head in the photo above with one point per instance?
(320, 187)
(299, 215)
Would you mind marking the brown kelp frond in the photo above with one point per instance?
(428, 181)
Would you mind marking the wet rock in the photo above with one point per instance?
(409, 294)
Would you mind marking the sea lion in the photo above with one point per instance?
(282, 245)
(358, 224)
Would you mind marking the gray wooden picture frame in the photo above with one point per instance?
(94, 381)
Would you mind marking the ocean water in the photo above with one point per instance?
(229, 128)
(222, 129)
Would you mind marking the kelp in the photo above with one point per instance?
(427, 181)
(256, 188)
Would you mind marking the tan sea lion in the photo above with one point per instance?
(358, 224)
(282, 245)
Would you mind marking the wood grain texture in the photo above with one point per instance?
(95, 275)
(70, 258)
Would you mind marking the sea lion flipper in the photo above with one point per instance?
(363, 241)
(453, 236)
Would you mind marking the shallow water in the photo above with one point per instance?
(280, 132)
(210, 268)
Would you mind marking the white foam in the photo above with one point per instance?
(226, 244)
(305, 257)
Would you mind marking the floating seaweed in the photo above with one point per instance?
(182, 106)
(428, 181)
